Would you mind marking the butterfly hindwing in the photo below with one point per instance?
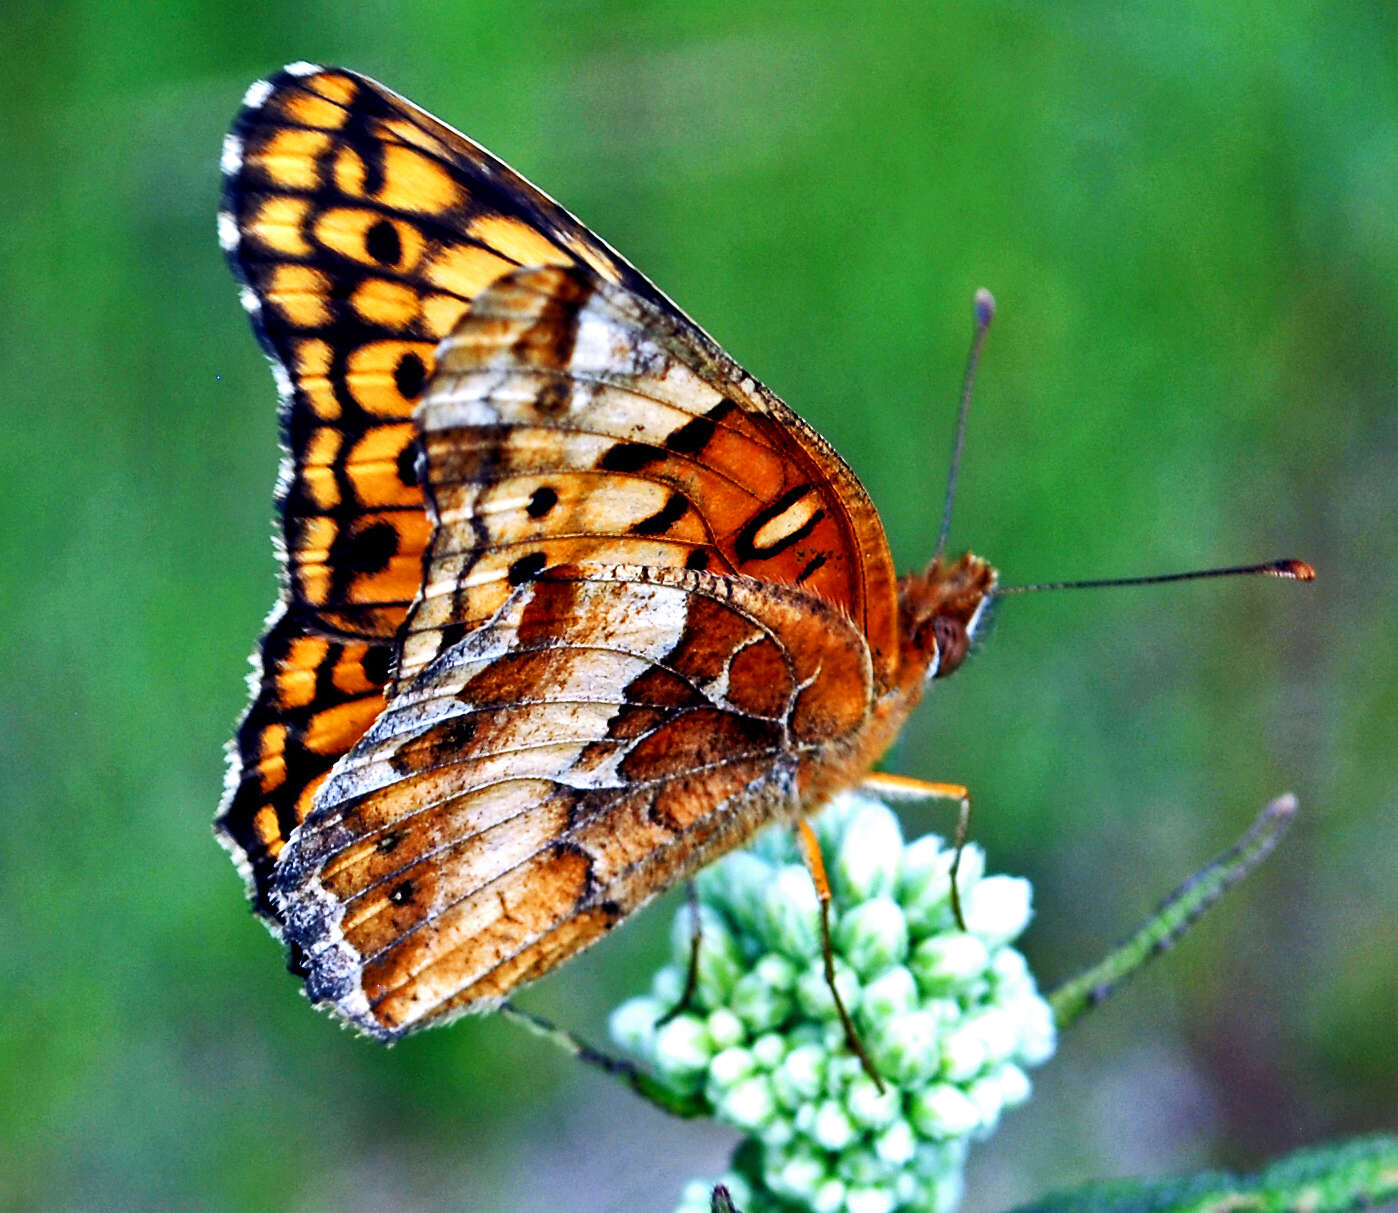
(606, 732)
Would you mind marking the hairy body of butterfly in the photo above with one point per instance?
(571, 604)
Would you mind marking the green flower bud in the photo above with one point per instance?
(813, 994)
(941, 962)
(1009, 973)
(998, 908)
(720, 960)
(768, 1050)
(925, 885)
(1015, 1086)
(869, 1200)
(632, 1025)
(725, 1029)
(860, 1167)
(999, 1031)
(682, 1048)
(757, 1004)
(736, 886)
(832, 1129)
(869, 1107)
(868, 854)
(794, 1172)
(1038, 1033)
(906, 1049)
(896, 1145)
(829, 1197)
(777, 1132)
(748, 1103)
(731, 1065)
(873, 935)
(801, 1075)
(791, 913)
(942, 1110)
(778, 971)
(963, 1053)
(986, 1094)
(892, 991)
(667, 987)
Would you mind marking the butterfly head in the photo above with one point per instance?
(941, 609)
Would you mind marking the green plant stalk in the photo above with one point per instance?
(1352, 1175)
(638, 1080)
(1177, 913)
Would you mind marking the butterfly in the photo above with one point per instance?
(571, 603)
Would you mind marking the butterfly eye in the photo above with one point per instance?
(952, 644)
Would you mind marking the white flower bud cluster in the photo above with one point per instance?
(950, 1018)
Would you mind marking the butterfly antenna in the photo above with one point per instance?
(1287, 570)
(985, 313)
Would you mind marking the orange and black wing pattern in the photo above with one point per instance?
(361, 228)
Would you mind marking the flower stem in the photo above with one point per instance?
(638, 1080)
(1177, 913)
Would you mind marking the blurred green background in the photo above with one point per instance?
(1189, 215)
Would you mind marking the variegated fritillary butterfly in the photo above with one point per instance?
(571, 603)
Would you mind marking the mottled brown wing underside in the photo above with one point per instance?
(605, 733)
(361, 228)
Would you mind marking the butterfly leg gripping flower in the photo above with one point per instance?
(896, 788)
(950, 1019)
(815, 864)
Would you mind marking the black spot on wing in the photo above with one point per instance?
(541, 501)
(664, 518)
(630, 457)
(377, 663)
(527, 567)
(381, 242)
(694, 435)
(358, 551)
(407, 464)
(812, 565)
(410, 375)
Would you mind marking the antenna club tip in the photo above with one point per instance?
(985, 307)
(1293, 570)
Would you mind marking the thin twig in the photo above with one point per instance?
(686, 1106)
(1177, 913)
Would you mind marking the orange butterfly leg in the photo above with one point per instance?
(906, 789)
(815, 864)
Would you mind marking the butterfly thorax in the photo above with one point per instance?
(939, 611)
